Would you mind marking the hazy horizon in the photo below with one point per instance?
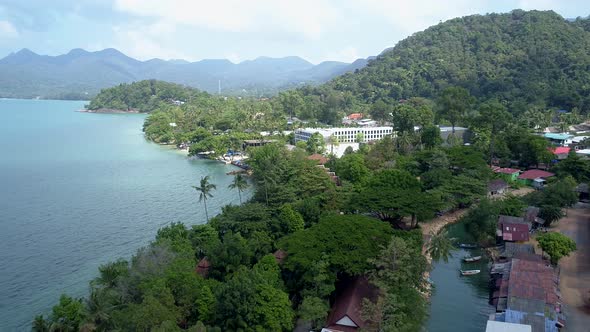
(316, 31)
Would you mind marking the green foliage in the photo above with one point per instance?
(316, 144)
(398, 273)
(240, 184)
(454, 102)
(440, 246)
(574, 166)
(556, 245)
(314, 310)
(394, 194)
(550, 213)
(351, 167)
(345, 241)
(512, 57)
(290, 221)
(68, 314)
(144, 96)
(205, 190)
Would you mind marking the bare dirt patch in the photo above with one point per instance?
(575, 269)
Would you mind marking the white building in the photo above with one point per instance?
(344, 135)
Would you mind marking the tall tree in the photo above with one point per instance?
(556, 245)
(440, 246)
(453, 104)
(205, 190)
(240, 184)
(494, 117)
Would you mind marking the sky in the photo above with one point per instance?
(238, 30)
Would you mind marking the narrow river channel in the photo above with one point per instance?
(459, 303)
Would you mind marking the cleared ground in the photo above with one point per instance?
(575, 269)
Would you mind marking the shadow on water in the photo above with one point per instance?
(459, 303)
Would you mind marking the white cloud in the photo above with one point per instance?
(304, 17)
(7, 30)
(147, 41)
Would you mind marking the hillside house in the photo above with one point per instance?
(513, 229)
(535, 178)
(508, 174)
(345, 314)
(497, 187)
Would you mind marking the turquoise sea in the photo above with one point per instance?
(78, 190)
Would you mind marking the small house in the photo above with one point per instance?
(508, 174)
(582, 190)
(535, 178)
(560, 152)
(345, 314)
(497, 187)
(513, 229)
(561, 139)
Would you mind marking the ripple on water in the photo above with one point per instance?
(79, 190)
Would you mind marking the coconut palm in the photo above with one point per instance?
(240, 184)
(440, 246)
(205, 190)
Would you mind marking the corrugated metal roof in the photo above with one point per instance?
(494, 326)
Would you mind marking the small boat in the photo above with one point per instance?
(469, 272)
(471, 259)
(467, 245)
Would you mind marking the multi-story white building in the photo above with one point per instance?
(344, 135)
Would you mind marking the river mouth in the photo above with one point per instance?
(460, 303)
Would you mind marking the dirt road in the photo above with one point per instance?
(575, 269)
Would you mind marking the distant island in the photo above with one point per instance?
(80, 75)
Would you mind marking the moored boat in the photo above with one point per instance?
(467, 245)
(472, 259)
(469, 272)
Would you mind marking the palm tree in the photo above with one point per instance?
(240, 184)
(440, 246)
(205, 190)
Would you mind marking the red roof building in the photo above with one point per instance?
(560, 150)
(321, 160)
(506, 170)
(532, 174)
(355, 116)
(514, 232)
(203, 267)
(345, 315)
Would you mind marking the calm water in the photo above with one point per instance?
(78, 190)
(459, 303)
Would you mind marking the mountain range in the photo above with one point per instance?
(80, 74)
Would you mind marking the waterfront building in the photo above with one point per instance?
(343, 134)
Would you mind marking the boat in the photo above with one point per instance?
(467, 245)
(471, 259)
(469, 272)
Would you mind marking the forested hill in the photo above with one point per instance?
(144, 96)
(521, 58)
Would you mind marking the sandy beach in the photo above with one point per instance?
(575, 269)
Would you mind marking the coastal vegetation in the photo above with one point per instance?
(286, 252)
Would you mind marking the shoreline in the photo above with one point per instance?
(109, 111)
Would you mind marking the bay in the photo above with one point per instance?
(78, 190)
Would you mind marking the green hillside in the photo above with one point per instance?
(524, 59)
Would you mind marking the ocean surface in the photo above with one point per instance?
(78, 190)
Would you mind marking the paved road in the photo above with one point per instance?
(575, 269)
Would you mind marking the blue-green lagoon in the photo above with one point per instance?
(78, 190)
